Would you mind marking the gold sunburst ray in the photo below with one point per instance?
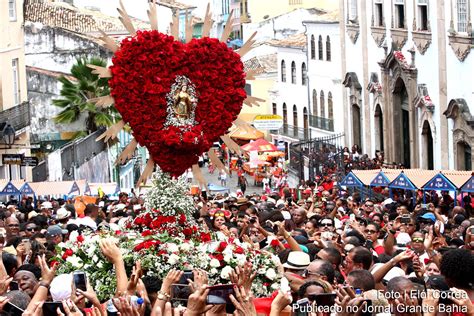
(152, 17)
(111, 132)
(253, 101)
(189, 28)
(207, 26)
(125, 19)
(103, 102)
(247, 47)
(228, 27)
(174, 26)
(150, 166)
(109, 42)
(127, 153)
(103, 72)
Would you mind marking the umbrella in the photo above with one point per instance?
(260, 145)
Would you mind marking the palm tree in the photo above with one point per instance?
(76, 94)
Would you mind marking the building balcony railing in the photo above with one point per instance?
(321, 123)
(18, 116)
(293, 132)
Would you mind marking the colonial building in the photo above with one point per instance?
(14, 105)
(407, 69)
(308, 92)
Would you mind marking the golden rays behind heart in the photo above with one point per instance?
(106, 101)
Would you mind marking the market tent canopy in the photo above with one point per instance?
(10, 189)
(351, 181)
(246, 133)
(26, 189)
(111, 188)
(402, 182)
(380, 180)
(260, 145)
(469, 185)
(367, 176)
(440, 182)
(16, 183)
(55, 187)
(216, 188)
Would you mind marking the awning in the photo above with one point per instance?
(260, 145)
(351, 181)
(402, 182)
(246, 134)
(55, 187)
(469, 185)
(10, 189)
(26, 189)
(380, 180)
(440, 182)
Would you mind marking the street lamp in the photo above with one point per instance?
(9, 135)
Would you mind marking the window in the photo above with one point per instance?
(248, 89)
(285, 114)
(293, 72)
(352, 11)
(330, 107)
(274, 108)
(315, 103)
(16, 81)
(328, 48)
(283, 71)
(400, 14)
(313, 47)
(423, 15)
(304, 74)
(295, 117)
(461, 9)
(320, 47)
(322, 104)
(12, 10)
(378, 13)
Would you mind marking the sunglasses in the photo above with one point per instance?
(370, 231)
(326, 225)
(219, 215)
(13, 225)
(417, 240)
(31, 229)
(369, 205)
(306, 273)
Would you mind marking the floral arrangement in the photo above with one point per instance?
(82, 252)
(401, 58)
(166, 237)
(148, 66)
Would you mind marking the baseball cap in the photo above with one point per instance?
(55, 230)
(429, 216)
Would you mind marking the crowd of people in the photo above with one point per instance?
(340, 254)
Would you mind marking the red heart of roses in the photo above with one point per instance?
(143, 73)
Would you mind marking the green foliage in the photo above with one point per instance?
(76, 93)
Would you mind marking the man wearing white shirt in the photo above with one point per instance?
(90, 216)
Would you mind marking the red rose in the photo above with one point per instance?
(187, 232)
(426, 260)
(205, 237)
(147, 233)
(80, 238)
(182, 219)
(222, 246)
(53, 263)
(274, 243)
(239, 250)
(68, 252)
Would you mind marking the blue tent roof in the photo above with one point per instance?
(26, 189)
(380, 180)
(468, 186)
(440, 182)
(402, 182)
(10, 189)
(351, 181)
(74, 188)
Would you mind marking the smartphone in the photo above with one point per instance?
(180, 292)
(14, 286)
(472, 231)
(424, 206)
(50, 308)
(367, 310)
(369, 244)
(12, 310)
(80, 280)
(325, 299)
(187, 275)
(252, 220)
(219, 294)
(405, 219)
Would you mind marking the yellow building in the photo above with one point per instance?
(14, 106)
(256, 11)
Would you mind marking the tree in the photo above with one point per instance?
(76, 93)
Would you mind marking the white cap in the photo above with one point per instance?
(101, 204)
(120, 207)
(46, 205)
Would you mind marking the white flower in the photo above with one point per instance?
(241, 259)
(173, 259)
(271, 274)
(261, 271)
(75, 261)
(225, 272)
(95, 259)
(213, 271)
(73, 236)
(214, 263)
(185, 246)
(172, 247)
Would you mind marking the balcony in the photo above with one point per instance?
(293, 132)
(321, 123)
(18, 116)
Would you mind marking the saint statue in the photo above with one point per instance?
(183, 103)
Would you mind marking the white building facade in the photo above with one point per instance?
(408, 76)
